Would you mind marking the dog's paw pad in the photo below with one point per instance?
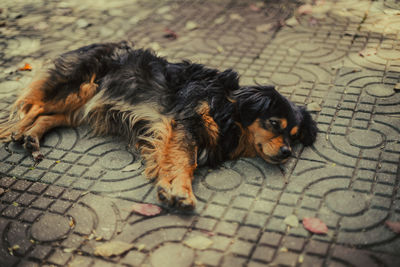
(17, 137)
(184, 199)
(163, 194)
(31, 143)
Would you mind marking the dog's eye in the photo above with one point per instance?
(274, 124)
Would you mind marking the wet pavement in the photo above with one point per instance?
(342, 58)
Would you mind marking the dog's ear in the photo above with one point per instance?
(308, 128)
(251, 103)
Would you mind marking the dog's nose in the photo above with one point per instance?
(285, 152)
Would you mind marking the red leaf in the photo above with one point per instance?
(367, 52)
(315, 225)
(170, 34)
(27, 67)
(394, 226)
(254, 7)
(146, 209)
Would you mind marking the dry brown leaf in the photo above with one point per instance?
(191, 25)
(254, 7)
(198, 242)
(315, 225)
(367, 52)
(1, 191)
(394, 226)
(292, 221)
(396, 89)
(264, 27)
(220, 20)
(292, 22)
(146, 209)
(71, 222)
(313, 106)
(26, 67)
(237, 17)
(170, 34)
(112, 248)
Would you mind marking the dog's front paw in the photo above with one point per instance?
(176, 194)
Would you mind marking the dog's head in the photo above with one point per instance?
(273, 123)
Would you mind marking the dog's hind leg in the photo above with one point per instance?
(42, 125)
(35, 115)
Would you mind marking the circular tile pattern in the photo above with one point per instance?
(306, 46)
(365, 138)
(346, 202)
(9, 87)
(380, 90)
(50, 227)
(389, 54)
(172, 255)
(223, 179)
(285, 79)
(116, 159)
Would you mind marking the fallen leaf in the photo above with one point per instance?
(292, 221)
(394, 226)
(198, 242)
(397, 87)
(71, 222)
(168, 17)
(254, 7)
(170, 34)
(220, 20)
(367, 52)
(313, 106)
(191, 25)
(292, 22)
(26, 67)
(12, 249)
(283, 249)
(146, 209)
(236, 16)
(305, 9)
(68, 250)
(301, 258)
(1, 191)
(141, 247)
(315, 225)
(220, 49)
(163, 10)
(264, 27)
(112, 248)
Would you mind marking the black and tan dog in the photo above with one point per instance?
(179, 115)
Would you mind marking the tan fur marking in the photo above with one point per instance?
(294, 130)
(256, 140)
(283, 123)
(45, 123)
(245, 147)
(209, 123)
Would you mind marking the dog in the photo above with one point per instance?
(178, 115)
